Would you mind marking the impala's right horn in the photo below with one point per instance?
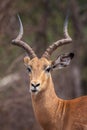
(17, 41)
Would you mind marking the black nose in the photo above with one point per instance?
(35, 85)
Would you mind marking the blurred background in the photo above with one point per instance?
(43, 22)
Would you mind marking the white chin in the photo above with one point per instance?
(36, 92)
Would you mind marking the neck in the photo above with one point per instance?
(47, 106)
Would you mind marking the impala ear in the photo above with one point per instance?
(62, 61)
(26, 60)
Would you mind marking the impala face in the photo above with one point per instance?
(39, 73)
(39, 70)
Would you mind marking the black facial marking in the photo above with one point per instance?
(29, 69)
(48, 69)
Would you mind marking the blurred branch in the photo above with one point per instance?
(9, 80)
(13, 64)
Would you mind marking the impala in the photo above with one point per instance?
(52, 112)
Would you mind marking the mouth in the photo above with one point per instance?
(34, 90)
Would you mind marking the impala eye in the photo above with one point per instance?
(29, 69)
(48, 69)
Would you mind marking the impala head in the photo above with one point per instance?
(39, 69)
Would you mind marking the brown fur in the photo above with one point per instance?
(52, 112)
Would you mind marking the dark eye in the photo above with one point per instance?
(48, 69)
(29, 69)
